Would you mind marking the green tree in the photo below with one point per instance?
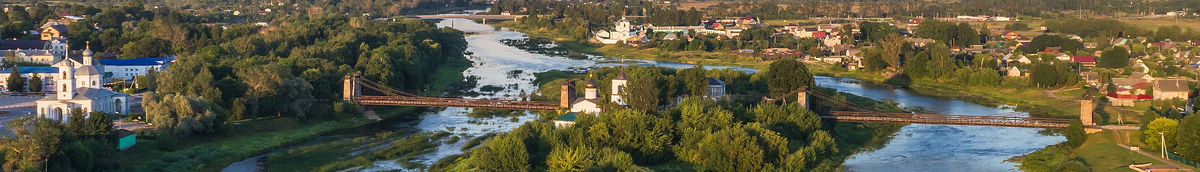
(644, 89)
(1165, 125)
(786, 75)
(36, 141)
(893, 45)
(1117, 57)
(1075, 134)
(942, 63)
(695, 81)
(148, 81)
(15, 82)
(873, 60)
(1187, 138)
(35, 83)
(916, 66)
(966, 35)
(146, 47)
(18, 14)
(504, 153)
(176, 115)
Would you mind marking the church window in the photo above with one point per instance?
(64, 89)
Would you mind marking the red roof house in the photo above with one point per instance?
(1085, 60)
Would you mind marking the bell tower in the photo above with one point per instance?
(66, 80)
(618, 85)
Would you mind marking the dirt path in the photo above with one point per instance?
(1050, 93)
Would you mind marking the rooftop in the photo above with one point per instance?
(32, 69)
(136, 62)
(570, 116)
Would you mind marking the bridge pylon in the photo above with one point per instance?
(802, 97)
(1085, 109)
(351, 87)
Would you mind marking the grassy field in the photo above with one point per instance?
(1102, 153)
(214, 152)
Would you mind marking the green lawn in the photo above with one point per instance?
(214, 152)
(1102, 153)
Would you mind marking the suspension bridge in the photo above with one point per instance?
(353, 92)
(858, 113)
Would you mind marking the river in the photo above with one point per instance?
(914, 148)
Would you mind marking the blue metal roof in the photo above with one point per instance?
(136, 62)
(570, 116)
(32, 69)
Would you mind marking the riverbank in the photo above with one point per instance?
(625, 51)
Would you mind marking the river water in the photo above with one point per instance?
(914, 148)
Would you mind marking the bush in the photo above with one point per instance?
(1075, 134)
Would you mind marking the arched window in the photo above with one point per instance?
(64, 75)
(64, 89)
(93, 83)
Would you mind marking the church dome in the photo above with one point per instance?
(87, 52)
(621, 76)
(591, 83)
(87, 70)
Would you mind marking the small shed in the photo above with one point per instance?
(127, 139)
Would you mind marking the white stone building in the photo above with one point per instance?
(78, 85)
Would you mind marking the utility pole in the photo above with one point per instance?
(1164, 143)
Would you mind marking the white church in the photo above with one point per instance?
(589, 104)
(78, 85)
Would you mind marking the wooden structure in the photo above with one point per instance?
(352, 91)
(863, 114)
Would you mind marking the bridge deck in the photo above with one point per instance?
(454, 102)
(979, 120)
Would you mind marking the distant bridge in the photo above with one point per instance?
(863, 114)
(466, 16)
(352, 91)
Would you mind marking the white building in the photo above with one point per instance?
(47, 74)
(622, 32)
(618, 86)
(35, 51)
(79, 86)
(589, 104)
(716, 88)
(128, 69)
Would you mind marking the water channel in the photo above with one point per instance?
(914, 148)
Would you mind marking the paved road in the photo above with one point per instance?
(14, 113)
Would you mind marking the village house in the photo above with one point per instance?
(919, 42)
(1084, 60)
(1013, 72)
(1167, 89)
(716, 89)
(1091, 78)
(1010, 35)
(52, 32)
